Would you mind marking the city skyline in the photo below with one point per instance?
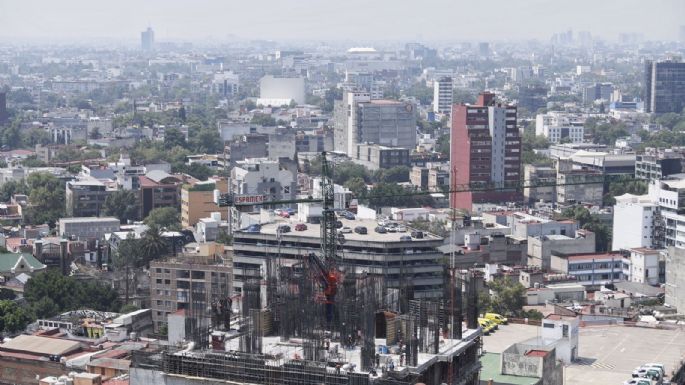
(78, 20)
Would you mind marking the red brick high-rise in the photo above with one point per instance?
(485, 152)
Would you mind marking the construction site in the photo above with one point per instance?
(318, 322)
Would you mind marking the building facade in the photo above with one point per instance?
(87, 228)
(359, 119)
(664, 86)
(634, 222)
(559, 126)
(485, 151)
(589, 269)
(178, 283)
(442, 95)
(85, 198)
(197, 201)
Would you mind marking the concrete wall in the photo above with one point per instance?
(675, 278)
(515, 363)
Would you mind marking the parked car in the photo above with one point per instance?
(300, 227)
(487, 326)
(496, 318)
(348, 215)
(405, 238)
(338, 224)
(253, 228)
(638, 381)
(401, 229)
(360, 230)
(284, 214)
(380, 230)
(417, 234)
(283, 229)
(345, 230)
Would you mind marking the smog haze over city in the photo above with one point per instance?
(82, 20)
(356, 192)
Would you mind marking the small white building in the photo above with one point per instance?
(644, 266)
(563, 330)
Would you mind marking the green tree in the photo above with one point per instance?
(12, 187)
(669, 120)
(263, 120)
(590, 222)
(196, 170)
(122, 204)
(49, 292)
(508, 297)
(443, 145)
(13, 318)
(47, 197)
(174, 137)
(153, 245)
(128, 257)
(357, 186)
(348, 170)
(32, 161)
(396, 174)
(164, 217)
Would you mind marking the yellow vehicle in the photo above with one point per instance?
(487, 326)
(496, 318)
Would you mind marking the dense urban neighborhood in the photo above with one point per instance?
(255, 211)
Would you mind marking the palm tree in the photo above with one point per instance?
(153, 245)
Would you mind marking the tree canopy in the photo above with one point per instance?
(164, 217)
(49, 293)
(122, 204)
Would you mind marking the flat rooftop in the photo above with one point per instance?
(608, 354)
(41, 345)
(314, 231)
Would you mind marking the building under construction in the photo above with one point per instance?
(360, 332)
(312, 319)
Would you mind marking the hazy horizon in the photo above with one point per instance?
(81, 20)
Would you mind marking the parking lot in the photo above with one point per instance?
(608, 354)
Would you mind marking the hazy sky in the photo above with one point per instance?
(340, 20)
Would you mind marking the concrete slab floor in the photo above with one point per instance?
(608, 354)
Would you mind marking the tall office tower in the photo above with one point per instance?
(359, 119)
(147, 39)
(3, 108)
(485, 153)
(442, 95)
(664, 86)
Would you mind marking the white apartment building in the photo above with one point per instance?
(669, 195)
(556, 126)
(261, 176)
(442, 95)
(644, 266)
(633, 222)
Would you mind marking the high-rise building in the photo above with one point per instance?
(147, 39)
(598, 91)
(442, 95)
(485, 151)
(664, 86)
(3, 108)
(359, 119)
